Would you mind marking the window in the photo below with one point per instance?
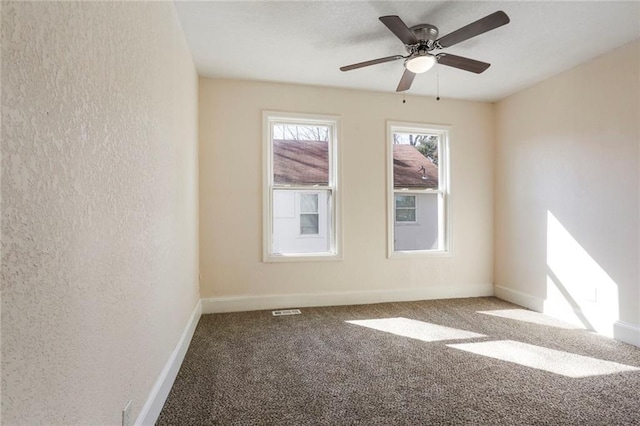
(309, 216)
(418, 189)
(405, 208)
(300, 187)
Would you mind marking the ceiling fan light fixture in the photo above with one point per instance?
(420, 64)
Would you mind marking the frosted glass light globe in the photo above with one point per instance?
(420, 64)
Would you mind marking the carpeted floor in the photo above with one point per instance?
(252, 368)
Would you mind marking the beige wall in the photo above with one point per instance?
(99, 206)
(567, 162)
(231, 197)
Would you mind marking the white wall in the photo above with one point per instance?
(99, 206)
(231, 199)
(567, 194)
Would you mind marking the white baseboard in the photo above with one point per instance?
(622, 331)
(158, 395)
(532, 302)
(282, 301)
(627, 332)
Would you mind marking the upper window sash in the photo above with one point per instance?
(275, 119)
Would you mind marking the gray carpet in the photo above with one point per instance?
(252, 368)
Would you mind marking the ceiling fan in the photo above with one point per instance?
(420, 40)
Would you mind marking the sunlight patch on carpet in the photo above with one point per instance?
(415, 329)
(551, 360)
(532, 317)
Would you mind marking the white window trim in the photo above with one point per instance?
(444, 214)
(335, 213)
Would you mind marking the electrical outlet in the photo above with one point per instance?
(126, 415)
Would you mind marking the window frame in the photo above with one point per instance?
(334, 215)
(444, 191)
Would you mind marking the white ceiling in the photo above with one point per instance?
(307, 41)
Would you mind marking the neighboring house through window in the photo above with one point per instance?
(418, 189)
(301, 199)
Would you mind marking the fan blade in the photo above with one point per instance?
(399, 28)
(462, 63)
(405, 81)
(372, 62)
(478, 27)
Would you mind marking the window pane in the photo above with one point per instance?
(300, 154)
(308, 223)
(308, 203)
(405, 215)
(290, 234)
(405, 200)
(415, 161)
(423, 233)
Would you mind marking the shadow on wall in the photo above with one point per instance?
(578, 289)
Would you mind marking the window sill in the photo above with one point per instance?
(408, 254)
(310, 257)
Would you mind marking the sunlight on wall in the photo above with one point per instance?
(531, 317)
(578, 289)
(540, 358)
(415, 329)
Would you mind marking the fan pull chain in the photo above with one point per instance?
(437, 83)
(404, 98)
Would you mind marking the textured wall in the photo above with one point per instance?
(231, 192)
(99, 205)
(567, 158)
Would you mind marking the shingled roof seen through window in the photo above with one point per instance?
(306, 163)
(411, 169)
(300, 162)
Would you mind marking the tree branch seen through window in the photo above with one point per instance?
(427, 145)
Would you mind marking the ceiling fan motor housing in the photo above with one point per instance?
(427, 34)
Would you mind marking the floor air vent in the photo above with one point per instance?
(286, 312)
